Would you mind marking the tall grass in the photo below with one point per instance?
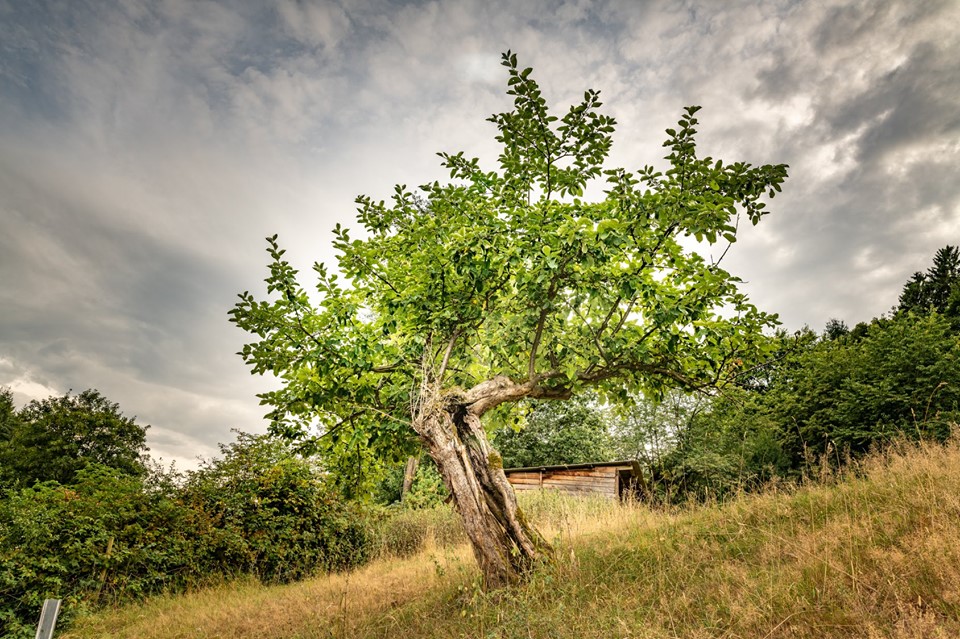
(873, 554)
(403, 533)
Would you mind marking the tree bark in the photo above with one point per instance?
(505, 545)
(409, 473)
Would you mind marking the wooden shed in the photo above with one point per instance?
(614, 479)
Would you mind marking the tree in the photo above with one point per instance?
(938, 288)
(54, 438)
(569, 432)
(943, 276)
(8, 415)
(648, 430)
(835, 329)
(503, 286)
(914, 295)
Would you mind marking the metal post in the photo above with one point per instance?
(48, 619)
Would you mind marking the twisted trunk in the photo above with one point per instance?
(504, 543)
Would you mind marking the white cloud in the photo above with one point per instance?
(323, 25)
(22, 383)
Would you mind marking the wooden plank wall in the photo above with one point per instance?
(601, 481)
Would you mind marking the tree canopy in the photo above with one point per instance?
(502, 285)
(54, 438)
(938, 288)
(569, 432)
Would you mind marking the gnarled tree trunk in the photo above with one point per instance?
(505, 545)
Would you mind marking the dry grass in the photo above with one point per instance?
(872, 555)
(322, 607)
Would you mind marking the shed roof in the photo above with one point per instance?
(627, 463)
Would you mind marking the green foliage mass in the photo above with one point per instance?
(53, 439)
(8, 415)
(109, 537)
(556, 433)
(102, 539)
(938, 288)
(426, 491)
(821, 401)
(901, 377)
(269, 513)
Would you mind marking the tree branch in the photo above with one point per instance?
(623, 319)
(606, 320)
(446, 355)
(389, 368)
(376, 275)
(532, 364)
(501, 389)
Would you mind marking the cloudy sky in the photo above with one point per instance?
(148, 146)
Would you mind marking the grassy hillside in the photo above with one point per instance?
(872, 554)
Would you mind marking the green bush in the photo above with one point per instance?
(110, 537)
(100, 540)
(269, 513)
(426, 491)
(820, 401)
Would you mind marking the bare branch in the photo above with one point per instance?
(389, 368)
(446, 355)
(736, 227)
(606, 320)
(532, 365)
(623, 319)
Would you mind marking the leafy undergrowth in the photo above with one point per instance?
(871, 555)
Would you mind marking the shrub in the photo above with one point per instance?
(101, 540)
(426, 491)
(269, 513)
(110, 537)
